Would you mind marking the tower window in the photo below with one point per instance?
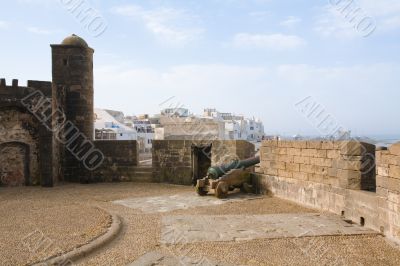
(65, 62)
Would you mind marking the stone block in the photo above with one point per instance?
(382, 171)
(327, 145)
(334, 181)
(176, 144)
(316, 178)
(395, 149)
(281, 165)
(285, 158)
(349, 179)
(294, 151)
(382, 181)
(301, 160)
(394, 171)
(314, 144)
(285, 144)
(271, 171)
(293, 167)
(309, 152)
(333, 154)
(264, 149)
(350, 165)
(333, 172)
(349, 174)
(284, 173)
(321, 162)
(300, 176)
(394, 184)
(321, 154)
(307, 168)
(321, 170)
(388, 159)
(300, 144)
(269, 143)
(383, 192)
(281, 151)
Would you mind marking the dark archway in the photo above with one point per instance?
(14, 164)
(201, 161)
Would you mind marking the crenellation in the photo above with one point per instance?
(15, 83)
(3, 83)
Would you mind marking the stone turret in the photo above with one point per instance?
(72, 89)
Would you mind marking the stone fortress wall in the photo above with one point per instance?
(174, 161)
(338, 177)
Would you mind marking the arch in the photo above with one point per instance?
(8, 174)
(12, 98)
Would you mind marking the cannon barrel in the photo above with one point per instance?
(215, 172)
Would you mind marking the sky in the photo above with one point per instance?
(259, 58)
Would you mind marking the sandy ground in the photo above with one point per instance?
(66, 215)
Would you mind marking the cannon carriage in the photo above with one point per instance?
(224, 178)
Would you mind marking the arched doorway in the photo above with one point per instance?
(14, 164)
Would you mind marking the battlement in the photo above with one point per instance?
(15, 89)
(3, 83)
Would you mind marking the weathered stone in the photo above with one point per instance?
(333, 154)
(314, 144)
(394, 171)
(189, 229)
(327, 145)
(301, 160)
(395, 149)
(293, 167)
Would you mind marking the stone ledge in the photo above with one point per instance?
(82, 251)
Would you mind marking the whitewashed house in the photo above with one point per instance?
(108, 128)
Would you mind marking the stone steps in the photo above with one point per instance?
(143, 174)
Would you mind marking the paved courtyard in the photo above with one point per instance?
(171, 225)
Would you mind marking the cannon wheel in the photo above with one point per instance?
(200, 191)
(222, 190)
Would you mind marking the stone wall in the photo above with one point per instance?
(173, 159)
(18, 127)
(120, 161)
(339, 164)
(388, 187)
(22, 132)
(334, 176)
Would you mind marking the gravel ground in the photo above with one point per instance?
(341, 250)
(61, 209)
(36, 224)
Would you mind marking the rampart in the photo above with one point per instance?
(338, 177)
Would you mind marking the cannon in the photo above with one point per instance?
(224, 178)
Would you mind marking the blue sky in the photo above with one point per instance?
(252, 57)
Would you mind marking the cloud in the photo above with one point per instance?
(260, 15)
(167, 24)
(346, 19)
(266, 92)
(3, 25)
(290, 22)
(41, 31)
(390, 23)
(268, 41)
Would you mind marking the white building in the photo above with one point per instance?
(108, 128)
(237, 127)
(255, 131)
(145, 131)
